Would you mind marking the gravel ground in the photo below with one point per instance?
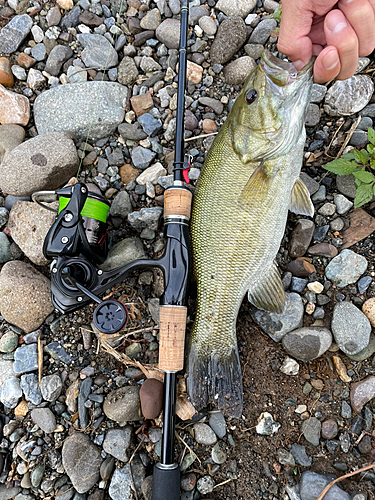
(91, 87)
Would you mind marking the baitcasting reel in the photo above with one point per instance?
(77, 243)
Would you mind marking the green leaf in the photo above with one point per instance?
(349, 155)
(364, 176)
(371, 135)
(372, 164)
(342, 166)
(364, 195)
(370, 149)
(360, 156)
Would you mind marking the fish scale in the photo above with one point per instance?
(236, 227)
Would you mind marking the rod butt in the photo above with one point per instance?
(166, 482)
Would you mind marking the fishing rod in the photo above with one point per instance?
(77, 243)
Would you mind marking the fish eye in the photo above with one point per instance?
(251, 96)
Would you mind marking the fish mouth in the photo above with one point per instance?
(283, 72)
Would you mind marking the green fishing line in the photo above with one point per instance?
(93, 209)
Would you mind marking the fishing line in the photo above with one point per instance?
(98, 95)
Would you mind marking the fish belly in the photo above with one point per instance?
(234, 247)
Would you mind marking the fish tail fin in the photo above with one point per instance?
(215, 378)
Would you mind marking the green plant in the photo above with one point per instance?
(360, 163)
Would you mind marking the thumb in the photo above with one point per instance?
(295, 27)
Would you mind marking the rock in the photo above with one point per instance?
(57, 351)
(90, 19)
(350, 327)
(230, 37)
(299, 454)
(151, 20)
(24, 295)
(44, 162)
(284, 457)
(7, 493)
(56, 59)
(194, 72)
(6, 75)
(28, 225)
(121, 205)
(96, 108)
(323, 249)
(98, 51)
(151, 396)
(123, 405)
(168, 32)
(311, 430)
(312, 115)
(327, 210)
(149, 65)
(329, 429)
(39, 52)
(132, 132)
(343, 205)
(9, 341)
(29, 386)
(203, 434)
(312, 186)
(236, 72)
(208, 25)
(45, 419)
(318, 93)
(209, 126)
(146, 218)
(5, 249)
(35, 79)
(217, 423)
(346, 268)
(361, 226)
(121, 486)
(10, 392)
(278, 325)
(263, 31)
(347, 97)
(368, 309)
(6, 370)
(151, 126)
(11, 136)
(151, 174)
(312, 485)
(51, 387)
(14, 33)
(128, 173)
(142, 103)
(212, 103)
(123, 252)
(345, 184)
(53, 16)
(254, 50)
(127, 72)
(14, 108)
(301, 237)
(205, 485)
(25, 359)
(289, 366)
(81, 460)
(117, 441)
(236, 7)
(266, 424)
(307, 343)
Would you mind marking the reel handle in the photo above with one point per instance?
(166, 483)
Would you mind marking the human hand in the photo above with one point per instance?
(337, 32)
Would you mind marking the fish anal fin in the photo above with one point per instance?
(215, 378)
(269, 295)
(300, 202)
(256, 187)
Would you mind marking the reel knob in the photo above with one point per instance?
(110, 316)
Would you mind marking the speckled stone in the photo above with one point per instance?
(362, 392)
(350, 327)
(347, 97)
(346, 268)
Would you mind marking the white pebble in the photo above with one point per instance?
(289, 367)
(38, 34)
(315, 287)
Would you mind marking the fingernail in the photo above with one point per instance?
(330, 60)
(334, 26)
(298, 64)
(345, 2)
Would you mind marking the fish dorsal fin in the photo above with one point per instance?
(269, 295)
(300, 202)
(256, 187)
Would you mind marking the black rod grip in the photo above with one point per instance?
(166, 483)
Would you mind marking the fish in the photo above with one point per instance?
(249, 181)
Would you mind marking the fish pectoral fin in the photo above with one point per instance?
(269, 295)
(256, 187)
(300, 202)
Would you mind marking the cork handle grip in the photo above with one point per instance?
(177, 202)
(172, 337)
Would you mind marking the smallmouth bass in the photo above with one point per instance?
(249, 181)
